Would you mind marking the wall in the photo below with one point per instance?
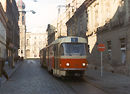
(109, 21)
(34, 43)
(2, 33)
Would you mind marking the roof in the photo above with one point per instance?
(68, 39)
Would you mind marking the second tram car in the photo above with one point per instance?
(42, 55)
(66, 57)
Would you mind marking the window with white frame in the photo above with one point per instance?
(123, 50)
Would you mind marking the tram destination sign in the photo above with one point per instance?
(74, 39)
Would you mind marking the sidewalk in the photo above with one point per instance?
(10, 71)
(112, 83)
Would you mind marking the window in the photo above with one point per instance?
(69, 14)
(109, 49)
(69, 49)
(109, 45)
(0, 51)
(21, 51)
(123, 43)
(23, 20)
(123, 50)
(27, 42)
(62, 50)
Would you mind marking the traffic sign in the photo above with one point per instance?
(101, 47)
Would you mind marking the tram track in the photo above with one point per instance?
(97, 86)
(63, 81)
(71, 83)
(75, 85)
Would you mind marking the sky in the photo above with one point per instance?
(46, 12)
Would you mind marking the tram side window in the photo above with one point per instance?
(61, 50)
(55, 49)
(51, 52)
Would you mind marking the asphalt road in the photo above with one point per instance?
(30, 78)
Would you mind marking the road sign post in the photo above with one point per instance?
(101, 48)
(101, 65)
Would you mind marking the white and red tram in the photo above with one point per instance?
(66, 57)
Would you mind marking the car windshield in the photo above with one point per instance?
(69, 49)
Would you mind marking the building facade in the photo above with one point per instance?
(72, 6)
(51, 30)
(107, 22)
(12, 33)
(57, 28)
(34, 43)
(22, 28)
(3, 28)
(77, 24)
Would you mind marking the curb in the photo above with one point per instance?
(13, 71)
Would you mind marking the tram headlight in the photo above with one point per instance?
(67, 64)
(84, 64)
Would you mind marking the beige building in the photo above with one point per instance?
(22, 27)
(107, 22)
(77, 24)
(72, 6)
(34, 43)
(57, 28)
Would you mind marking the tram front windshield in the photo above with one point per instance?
(71, 49)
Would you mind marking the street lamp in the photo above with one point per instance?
(35, 0)
(32, 11)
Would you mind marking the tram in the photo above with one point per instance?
(65, 57)
(42, 55)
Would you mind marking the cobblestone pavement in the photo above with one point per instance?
(110, 82)
(9, 70)
(30, 78)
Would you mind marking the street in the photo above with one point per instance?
(85, 44)
(30, 78)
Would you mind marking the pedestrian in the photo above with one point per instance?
(2, 71)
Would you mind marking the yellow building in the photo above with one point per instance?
(22, 28)
(34, 43)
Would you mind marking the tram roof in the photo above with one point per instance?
(68, 39)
